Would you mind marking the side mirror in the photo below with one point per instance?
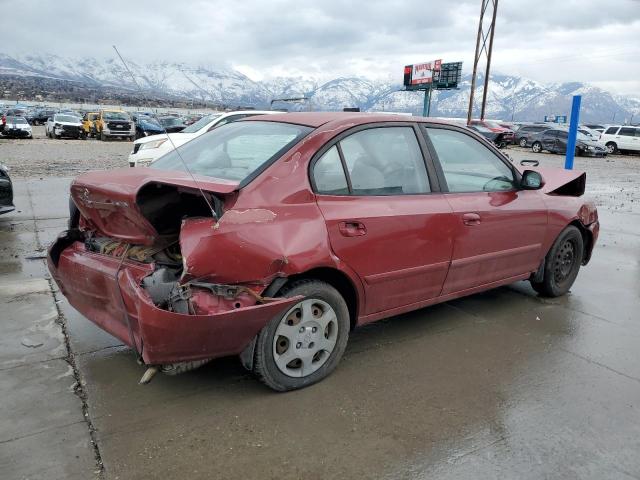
(531, 180)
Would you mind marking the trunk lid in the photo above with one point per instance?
(137, 205)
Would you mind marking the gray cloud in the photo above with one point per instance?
(544, 40)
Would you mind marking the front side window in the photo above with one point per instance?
(468, 165)
(611, 130)
(234, 151)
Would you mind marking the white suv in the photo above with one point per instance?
(148, 149)
(621, 138)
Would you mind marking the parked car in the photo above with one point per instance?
(172, 124)
(595, 126)
(272, 237)
(148, 149)
(6, 191)
(114, 124)
(88, 123)
(146, 126)
(40, 116)
(64, 125)
(524, 134)
(621, 138)
(555, 141)
(17, 127)
(497, 138)
(494, 126)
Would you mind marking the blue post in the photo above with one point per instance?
(573, 132)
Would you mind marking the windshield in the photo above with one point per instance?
(115, 116)
(16, 120)
(234, 151)
(170, 121)
(66, 118)
(203, 122)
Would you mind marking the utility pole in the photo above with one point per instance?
(481, 48)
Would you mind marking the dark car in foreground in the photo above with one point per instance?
(273, 237)
(555, 141)
(6, 191)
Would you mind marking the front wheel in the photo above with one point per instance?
(562, 263)
(523, 142)
(305, 344)
(103, 137)
(536, 147)
(611, 148)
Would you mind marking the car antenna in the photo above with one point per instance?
(173, 145)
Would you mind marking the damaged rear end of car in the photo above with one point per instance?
(124, 265)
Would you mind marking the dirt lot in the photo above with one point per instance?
(503, 384)
(44, 157)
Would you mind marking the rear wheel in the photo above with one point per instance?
(536, 147)
(611, 148)
(305, 344)
(562, 264)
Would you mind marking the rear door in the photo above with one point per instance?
(499, 229)
(561, 141)
(627, 138)
(385, 215)
(548, 140)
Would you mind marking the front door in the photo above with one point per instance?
(384, 219)
(499, 229)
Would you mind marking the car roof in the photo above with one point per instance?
(317, 119)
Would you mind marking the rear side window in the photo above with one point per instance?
(378, 161)
(329, 175)
(468, 165)
(611, 130)
(627, 131)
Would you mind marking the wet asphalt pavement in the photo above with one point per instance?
(503, 384)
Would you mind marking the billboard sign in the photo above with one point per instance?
(424, 72)
(432, 75)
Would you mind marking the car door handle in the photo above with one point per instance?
(352, 228)
(471, 219)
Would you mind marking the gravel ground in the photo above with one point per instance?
(41, 156)
(613, 181)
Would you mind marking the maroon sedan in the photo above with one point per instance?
(271, 238)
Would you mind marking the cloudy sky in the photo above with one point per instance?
(593, 41)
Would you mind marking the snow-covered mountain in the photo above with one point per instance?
(510, 97)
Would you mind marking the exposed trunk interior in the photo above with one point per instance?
(165, 206)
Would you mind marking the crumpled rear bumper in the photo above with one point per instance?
(88, 280)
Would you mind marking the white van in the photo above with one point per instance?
(621, 138)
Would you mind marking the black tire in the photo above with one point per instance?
(562, 263)
(611, 147)
(264, 365)
(536, 147)
(103, 137)
(523, 142)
